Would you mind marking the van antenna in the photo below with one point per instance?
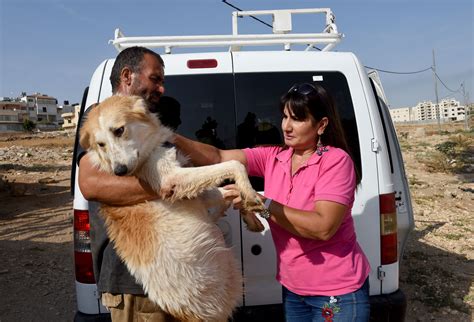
(259, 20)
(251, 16)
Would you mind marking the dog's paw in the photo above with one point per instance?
(252, 222)
(252, 203)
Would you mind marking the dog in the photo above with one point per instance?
(172, 246)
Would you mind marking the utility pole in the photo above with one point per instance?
(436, 92)
(466, 107)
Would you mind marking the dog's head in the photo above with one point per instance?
(120, 133)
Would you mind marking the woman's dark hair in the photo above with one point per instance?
(132, 58)
(310, 99)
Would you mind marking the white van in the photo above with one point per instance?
(230, 99)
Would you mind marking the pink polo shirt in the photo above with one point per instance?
(307, 266)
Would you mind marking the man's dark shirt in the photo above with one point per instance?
(111, 273)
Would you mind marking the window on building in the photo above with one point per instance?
(44, 109)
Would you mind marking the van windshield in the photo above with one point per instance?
(242, 110)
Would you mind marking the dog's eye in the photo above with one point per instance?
(101, 144)
(118, 132)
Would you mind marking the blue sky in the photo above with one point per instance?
(53, 46)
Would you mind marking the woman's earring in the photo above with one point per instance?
(320, 148)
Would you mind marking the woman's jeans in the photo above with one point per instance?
(353, 306)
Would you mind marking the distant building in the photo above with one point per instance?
(452, 110)
(425, 111)
(12, 114)
(446, 110)
(401, 114)
(41, 109)
(63, 109)
(71, 117)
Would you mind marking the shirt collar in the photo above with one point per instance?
(284, 156)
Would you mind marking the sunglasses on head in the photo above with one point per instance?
(303, 88)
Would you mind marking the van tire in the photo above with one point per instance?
(81, 317)
(388, 307)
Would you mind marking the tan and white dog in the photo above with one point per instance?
(172, 247)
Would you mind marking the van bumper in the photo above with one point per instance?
(388, 307)
(273, 312)
(383, 308)
(81, 317)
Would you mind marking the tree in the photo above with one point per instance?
(28, 125)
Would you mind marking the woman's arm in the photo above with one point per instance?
(337, 182)
(205, 154)
(321, 223)
(110, 189)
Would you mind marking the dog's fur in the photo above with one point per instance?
(172, 247)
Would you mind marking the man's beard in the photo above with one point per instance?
(152, 99)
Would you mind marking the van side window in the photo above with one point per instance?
(384, 116)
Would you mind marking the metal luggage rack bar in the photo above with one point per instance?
(282, 27)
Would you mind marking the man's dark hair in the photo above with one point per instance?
(132, 58)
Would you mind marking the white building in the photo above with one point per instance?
(446, 110)
(43, 108)
(401, 114)
(452, 110)
(425, 111)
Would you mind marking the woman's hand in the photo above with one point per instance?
(232, 193)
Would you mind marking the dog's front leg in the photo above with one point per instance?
(188, 183)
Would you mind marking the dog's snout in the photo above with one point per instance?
(121, 170)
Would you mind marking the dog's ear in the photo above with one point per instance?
(140, 105)
(84, 136)
(140, 109)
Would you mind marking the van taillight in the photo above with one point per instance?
(202, 63)
(82, 248)
(388, 229)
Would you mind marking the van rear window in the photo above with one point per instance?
(242, 110)
(258, 95)
(207, 109)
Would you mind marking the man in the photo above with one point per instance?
(136, 71)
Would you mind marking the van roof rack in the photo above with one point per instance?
(281, 35)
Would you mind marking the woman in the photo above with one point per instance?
(309, 192)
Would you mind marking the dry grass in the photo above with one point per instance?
(453, 155)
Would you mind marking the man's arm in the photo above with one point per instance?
(205, 154)
(110, 189)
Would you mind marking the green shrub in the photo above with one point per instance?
(448, 148)
(28, 125)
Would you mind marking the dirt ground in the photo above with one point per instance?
(36, 241)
